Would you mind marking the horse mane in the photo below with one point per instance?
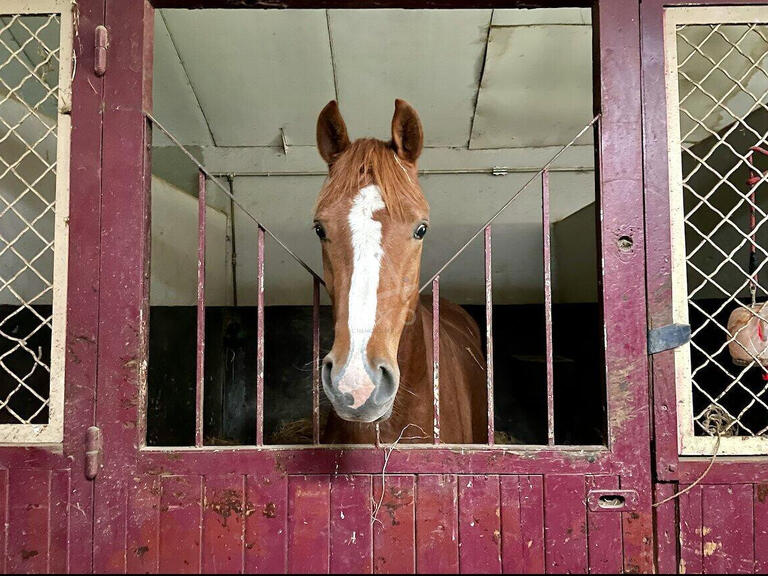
(370, 161)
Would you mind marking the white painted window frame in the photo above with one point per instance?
(688, 443)
(53, 431)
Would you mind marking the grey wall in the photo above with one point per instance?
(459, 206)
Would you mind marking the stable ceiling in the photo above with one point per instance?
(250, 78)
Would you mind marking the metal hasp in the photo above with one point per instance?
(101, 42)
(93, 452)
(668, 337)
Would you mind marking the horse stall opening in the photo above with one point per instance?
(257, 143)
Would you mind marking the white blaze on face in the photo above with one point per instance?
(363, 289)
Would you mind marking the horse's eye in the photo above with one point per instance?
(319, 230)
(420, 231)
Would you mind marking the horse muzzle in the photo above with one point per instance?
(362, 392)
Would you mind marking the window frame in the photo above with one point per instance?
(52, 432)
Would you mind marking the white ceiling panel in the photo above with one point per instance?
(431, 58)
(536, 88)
(174, 102)
(256, 72)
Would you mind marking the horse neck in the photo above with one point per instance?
(414, 403)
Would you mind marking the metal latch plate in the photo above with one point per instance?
(668, 337)
(612, 500)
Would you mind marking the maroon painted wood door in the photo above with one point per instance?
(719, 524)
(251, 509)
(45, 498)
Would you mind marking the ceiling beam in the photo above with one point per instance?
(305, 159)
(407, 4)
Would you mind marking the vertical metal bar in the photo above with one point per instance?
(200, 376)
(260, 342)
(231, 182)
(545, 224)
(316, 362)
(489, 335)
(436, 357)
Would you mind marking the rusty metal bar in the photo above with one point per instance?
(488, 171)
(200, 375)
(260, 342)
(316, 362)
(232, 234)
(489, 334)
(436, 357)
(546, 228)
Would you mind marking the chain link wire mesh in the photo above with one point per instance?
(29, 92)
(722, 72)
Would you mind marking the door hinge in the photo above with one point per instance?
(101, 43)
(668, 337)
(93, 452)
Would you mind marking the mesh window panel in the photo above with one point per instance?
(721, 73)
(29, 119)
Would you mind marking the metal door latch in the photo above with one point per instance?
(668, 337)
(93, 452)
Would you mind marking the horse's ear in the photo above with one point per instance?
(407, 135)
(332, 138)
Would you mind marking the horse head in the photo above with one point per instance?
(371, 217)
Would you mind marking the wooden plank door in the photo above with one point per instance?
(426, 523)
(45, 496)
(256, 508)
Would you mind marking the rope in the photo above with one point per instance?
(387, 453)
(397, 159)
(697, 481)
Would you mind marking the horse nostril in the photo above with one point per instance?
(386, 385)
(325, 372)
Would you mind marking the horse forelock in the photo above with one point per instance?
(373, 162)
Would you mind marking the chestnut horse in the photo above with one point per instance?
(371, 217)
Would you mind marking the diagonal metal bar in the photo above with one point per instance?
(231, 196)
(511, 199)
